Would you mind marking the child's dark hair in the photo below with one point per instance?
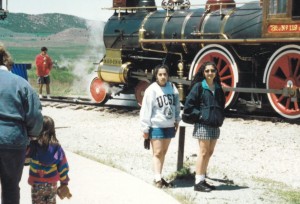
(156, 69)
(48, 135)
(44, 49)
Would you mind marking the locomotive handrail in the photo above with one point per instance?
(154, 7)
(223, 41)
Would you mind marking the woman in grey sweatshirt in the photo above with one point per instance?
(159, 116)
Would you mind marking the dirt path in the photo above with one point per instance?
(254, 162)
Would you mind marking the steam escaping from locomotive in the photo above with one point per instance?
(256, 56)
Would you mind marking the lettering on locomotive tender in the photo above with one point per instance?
(284, 28)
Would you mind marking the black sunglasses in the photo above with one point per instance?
(210, 70)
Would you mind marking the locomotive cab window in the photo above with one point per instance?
(277, 7)
(296, 9)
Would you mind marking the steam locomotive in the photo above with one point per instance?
(255, 45)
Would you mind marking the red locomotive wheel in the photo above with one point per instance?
(140, 90)
(226, 66)
(98, 91)
(282, 72)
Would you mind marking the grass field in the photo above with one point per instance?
(72, 71)
(27, 54)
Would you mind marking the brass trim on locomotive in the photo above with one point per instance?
(111, 69)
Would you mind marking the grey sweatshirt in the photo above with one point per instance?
(160, 107)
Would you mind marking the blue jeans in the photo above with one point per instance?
(11, 168)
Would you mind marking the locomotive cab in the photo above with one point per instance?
(282, 18)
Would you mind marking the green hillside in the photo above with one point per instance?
(44, 24)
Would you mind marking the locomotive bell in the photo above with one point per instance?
(146, 3)
(217, 4)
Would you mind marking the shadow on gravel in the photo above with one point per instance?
(221, 184)
(226, 184)
(224, 187)
(183, 183)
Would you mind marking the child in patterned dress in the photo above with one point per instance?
(48, 165)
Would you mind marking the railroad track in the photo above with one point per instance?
(76, 103)
(113, 107)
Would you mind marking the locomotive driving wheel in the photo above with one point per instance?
(283, 70)
(98, 91)
(140, 90)
(226, 66)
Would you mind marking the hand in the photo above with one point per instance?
(176, 127)
(146, 135)
(63, 191)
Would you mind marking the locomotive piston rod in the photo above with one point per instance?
(293, 91)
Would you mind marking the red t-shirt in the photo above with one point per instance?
(43, 65)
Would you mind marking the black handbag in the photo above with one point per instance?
(147, 143)
(188, 118)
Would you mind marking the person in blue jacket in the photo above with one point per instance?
(205, 103)
(20, 117)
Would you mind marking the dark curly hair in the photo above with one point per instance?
(199, 76)
(44, 49)
(156, 69)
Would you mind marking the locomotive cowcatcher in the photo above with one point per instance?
(255, 45)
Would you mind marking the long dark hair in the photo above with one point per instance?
(156, 69)
(199, 76)
(48, 135)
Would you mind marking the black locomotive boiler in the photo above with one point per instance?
(255, 45)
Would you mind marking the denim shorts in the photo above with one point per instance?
(162, 133)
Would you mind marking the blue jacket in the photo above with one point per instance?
(20, 111)
(201, 97)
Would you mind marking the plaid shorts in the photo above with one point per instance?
(205, 132)
(43, 193)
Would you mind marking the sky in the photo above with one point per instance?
(88, 9)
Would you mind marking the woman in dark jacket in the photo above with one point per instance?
(205, 104)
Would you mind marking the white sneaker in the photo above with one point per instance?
(40, 96)
(48, 97)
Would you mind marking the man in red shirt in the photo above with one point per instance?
(43, 66)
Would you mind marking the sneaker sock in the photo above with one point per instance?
(157, 177)
(199, 178)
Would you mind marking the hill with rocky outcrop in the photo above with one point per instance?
(45, 24)
(28, 30)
